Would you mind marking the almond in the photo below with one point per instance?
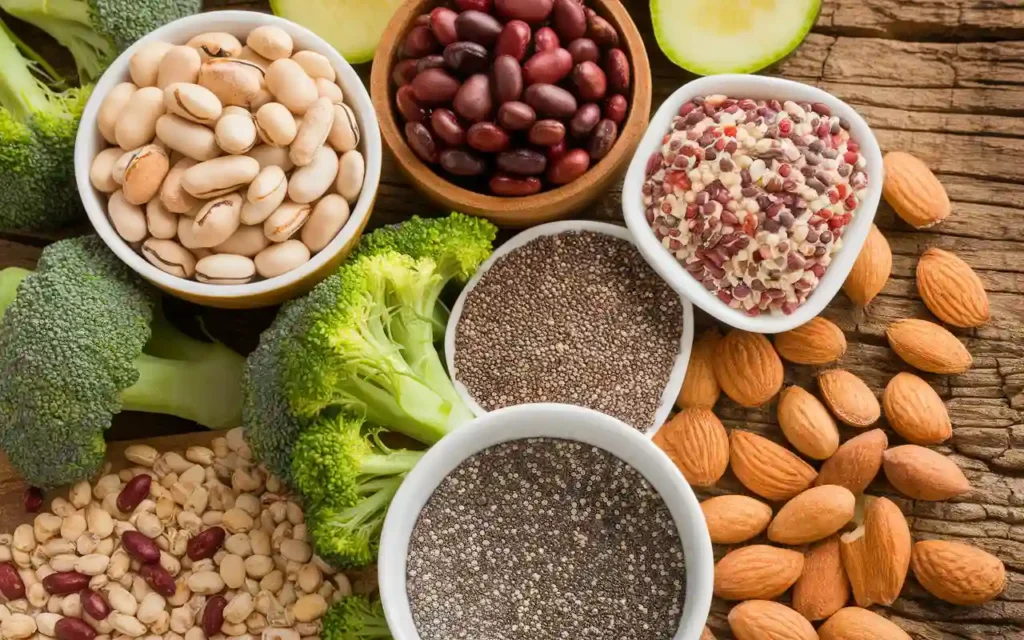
(849, 398)
(854, 623)
(700, 387)
(876, 555)
(697, 443)
(807, 424)
(856, 462)
(733, 519)
(915, 410)
(767, 620)
(813, 515)
(747, 368)
(871, 270)
(769, 470)
(757, 572)
(913, 191)
(819, 341)
(928, 347)
(958, 572)
(920, 473)
(822, 588)
(951, 289)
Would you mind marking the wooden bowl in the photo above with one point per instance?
(546, 206)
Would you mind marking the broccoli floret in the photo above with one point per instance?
(348, 536)
(355, 618)
(82, 340)
(96, 31)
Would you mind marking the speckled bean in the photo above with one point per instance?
(144, 173)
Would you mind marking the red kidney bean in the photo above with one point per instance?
(473, 5)
(205, 544)
(476, 26)
(419, 42)
(434, 87)
(73, 629)
(584, 120)
(508, 79)
(32, 499)
(545, 133)
(11, 585)
(405, 100)
(522, 162)
(571, 166)
(158, 579)
(601, 31)
(505, 185)
(65, 582)
(460, 162)
(525, 10)
(556, 151)
(550, 100)
(547, 67)
(545, 39)
(140, 546)
(584, 50)
(514, 40)
(473, 101)
(442, 23)
(617, 67)
(433, 61)
(569, 19)
(615, 109)
(94, 604)
(213, 615)
(404, 72)
(516, 116)
(487, 137)
(591, 83)
(135, 491)
(421, 141)
(447, 127)
(602, 139)
(466, 57)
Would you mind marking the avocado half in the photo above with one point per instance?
(352, 27)
(708, 37)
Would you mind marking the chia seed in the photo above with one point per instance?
(545, 539)
(577, 318)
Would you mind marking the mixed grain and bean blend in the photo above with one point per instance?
(752, 197)
(577, 318)
(545, 539)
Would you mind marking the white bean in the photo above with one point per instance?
(344, 135)
(351, 173)
(316, 65)
(286, 220)
(234, 81)
(329, 215)
(144, 65)
(330, 90)
(173, 195)
(281, 258)
(313, 132)
(110, 109)
(276, 124)
(128, 219)
(179, 64)
(313, 180)
(144, 173)
(236, 131)
(267, 155)
(216, 44)
(219, 176)
(136, 123)
(169, 256)
(101, 171)
(270, 42)
(217, 220)
(225, 268)
(247, 241)
(265, 194)
(192, 102)
(190, 139)
(290, 84)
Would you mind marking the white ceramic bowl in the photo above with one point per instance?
(675, 380)
(757, 87)
(89, 143)
(555, 421)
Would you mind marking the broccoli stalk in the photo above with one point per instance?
(355, 618)
(348, 536)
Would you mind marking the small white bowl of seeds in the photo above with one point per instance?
(545, 520)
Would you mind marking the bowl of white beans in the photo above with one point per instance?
(231, 158)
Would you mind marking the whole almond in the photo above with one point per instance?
(871, 270)
(697, 443)
(757, 572)
(913, 191)
(951, 289)
(700, 387)
(928, 347)
(957, 572)
(854, 623)
(849, 398)
(819, 341)
(856, 462)
(767, 469)
(876, 555)
(920, 473)
(747, 368)
(823, 587)
(735, 518)
(807, 424)
(915, 410)
(767, 620)
(813, 515)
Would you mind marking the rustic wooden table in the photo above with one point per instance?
(941, 79)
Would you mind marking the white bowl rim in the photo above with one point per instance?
(232, 21)
(556, 421)
(751, 86)
(682, 360)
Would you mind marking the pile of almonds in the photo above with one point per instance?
(201, 545)
(827, 540)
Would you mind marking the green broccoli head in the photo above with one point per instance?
(355, 618)
(348, 536)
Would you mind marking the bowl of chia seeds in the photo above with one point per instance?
(570, 312)
(545, 521)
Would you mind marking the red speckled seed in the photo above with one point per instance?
(32, 499)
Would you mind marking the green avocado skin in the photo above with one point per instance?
(304, 13)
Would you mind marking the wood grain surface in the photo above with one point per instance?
(943, 79)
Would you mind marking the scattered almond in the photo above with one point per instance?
(822, 588)
(767, 620)
(928, 347)
(697, 443)
(951, 289)
(767, 469)
(958, 573)
(876, 555)
(913, 191)
(807, 424)
(747, 368)
(819, 341)
(920, 473)
(856, 462)
(854, 623)
(757, 572)
(871, 270)
(700, 387)
(849, 398)
(813, 515)
(915, 410)
(735, 518)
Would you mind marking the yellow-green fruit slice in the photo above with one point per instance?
(353, 27)
(731, 36)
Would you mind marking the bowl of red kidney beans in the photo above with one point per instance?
(521, 111)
